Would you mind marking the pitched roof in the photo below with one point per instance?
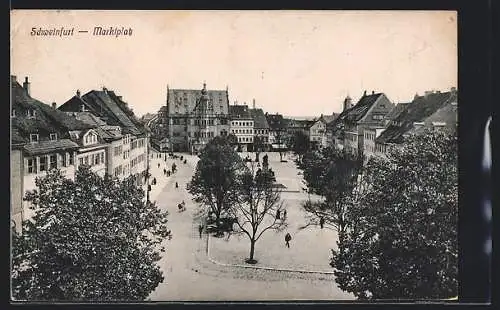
(417, 111)
(112, 108)
(183, 101)
(46, 119)
(329, 118)
(239, 111)
(259, 119)
(355, 113)
(276, 121)
(400, 107)
(43, 147)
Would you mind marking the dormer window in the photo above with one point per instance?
(82, 108)
(34, 137)
(53, 136)
(30, 113)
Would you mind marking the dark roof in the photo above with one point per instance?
(259, 119)
(417, 111)
(301, 123)
(276, 121)
(44, 147)
(400, 107)
(113, 108)
(46, 119)
(357, 112)
(239, 111)
(183, 101)
(329, 118)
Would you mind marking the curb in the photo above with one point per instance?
(261, 268)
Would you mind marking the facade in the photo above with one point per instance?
(370, 135)
(119, 134)
(41, 141)
(261, 130)
(434, 110)
(317, 133)
(278, 137)
(242, 126)
(348, 128)
(194, 117)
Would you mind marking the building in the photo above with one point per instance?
(434, 110)
(317, 133)
(242, 126)
(348, 128)
(370, 135)
(194, 117)
(328, 120)
(261, 129)
(278, 136)
(127, 150)
(41, 141)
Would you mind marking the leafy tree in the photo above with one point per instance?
(257, 206)
(335, 175)
(258, 146)
(401, 240)
(300, 143)
(232, 139)
(91, 239)
(215, 179)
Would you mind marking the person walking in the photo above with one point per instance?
(200, 229)
(284, 214)
(321, 222)
(176, 185)
(278, 214)
(288, 238)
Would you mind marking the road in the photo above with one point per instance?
(191, 276)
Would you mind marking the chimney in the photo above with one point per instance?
(453, 89)
(13, 78)
(373, 92)
(26, 86)
(54, 105)
(119, 98)
(364, 93)
(253, 103)
(78, 93)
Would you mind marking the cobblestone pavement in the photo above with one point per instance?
(191, 276)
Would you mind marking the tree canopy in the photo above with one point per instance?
(401, 241)
(214, 183)
(90, 239)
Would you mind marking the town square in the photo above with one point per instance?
(190, 167)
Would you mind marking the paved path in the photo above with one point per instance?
(191, 276)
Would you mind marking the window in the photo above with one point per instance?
(102, 158)
(30, 113)
(53, 136)
(13, 113)
(32, 165)
(80, 161)
(34, 137)
(86, 160)
(43, 163)
(53, 161)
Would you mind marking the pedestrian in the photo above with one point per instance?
(200, 229)
(288, 237)
(164, 171)
(158, 165)
(278, 214)
(176, 185)
(284, 214)
(321, 222)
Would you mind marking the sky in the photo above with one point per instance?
(297, 63)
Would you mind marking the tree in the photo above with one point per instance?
(232, 140)
(258, 146)
(257, 206)
(401, 240)
(335, 175)
(300, 143)
(91, 239)
(280, 137)
(215, 179)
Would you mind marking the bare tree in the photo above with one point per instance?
(257, 208)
